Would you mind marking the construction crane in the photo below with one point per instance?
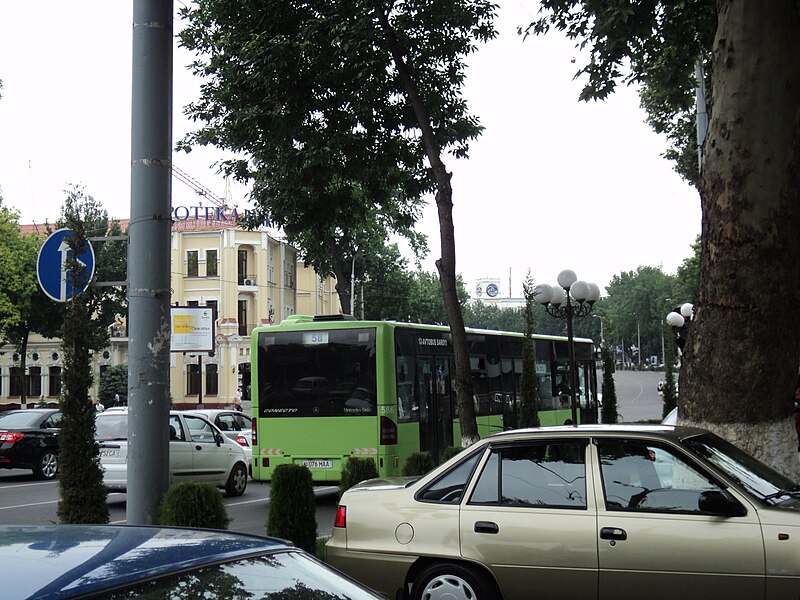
(200, 189)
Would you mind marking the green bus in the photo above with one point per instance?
(326, 388)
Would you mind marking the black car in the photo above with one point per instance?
(29, 440)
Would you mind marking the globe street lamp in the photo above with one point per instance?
(678, 320)
(569, 299)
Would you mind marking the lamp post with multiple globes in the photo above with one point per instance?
(569, 299)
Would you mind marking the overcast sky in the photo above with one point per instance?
(553, 183)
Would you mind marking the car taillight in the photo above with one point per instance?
(11, 436)
(241, 440)
(253, 428)
(341, 517)
(388, 432)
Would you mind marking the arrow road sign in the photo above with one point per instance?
(52, 266)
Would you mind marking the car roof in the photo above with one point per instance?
(39, 411)
(672, 432)
(61, 561)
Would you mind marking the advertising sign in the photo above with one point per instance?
(192, 329)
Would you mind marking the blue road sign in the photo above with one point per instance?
(52, 267)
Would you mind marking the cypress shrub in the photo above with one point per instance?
(355, 471)
(292, 510)
(193, 505)
(418, 463)
(451, 451)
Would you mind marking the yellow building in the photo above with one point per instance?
(250, 278)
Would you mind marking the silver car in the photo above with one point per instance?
(198, 452)
(234, 424)
(651, 512)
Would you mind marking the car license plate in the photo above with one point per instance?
(109, 452)
(318, 464)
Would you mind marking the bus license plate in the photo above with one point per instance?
(318, 464)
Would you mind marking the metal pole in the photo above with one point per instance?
(639, 344)
(149, 260)
(573, 379)
(200, 377)
(353, 287)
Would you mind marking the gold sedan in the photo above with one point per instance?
(578, 512)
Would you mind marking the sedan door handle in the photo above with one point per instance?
(486, 527)
(613, 533)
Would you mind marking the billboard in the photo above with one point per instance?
(192, 328)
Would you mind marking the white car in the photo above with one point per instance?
(234, 424)
(198, 452)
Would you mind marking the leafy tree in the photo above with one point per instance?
(529, 386)
(608, 413)
(636, 308)
(114, 381)
(740, 339)
(82, 495)
(687, 279)
(337, 107)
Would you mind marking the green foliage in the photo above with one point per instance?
(687, 280)
(451, 451)
(82, 496)
(191, 504)
(292, 510)
(331, 145)
(356, 470)
(114, 380)
(418, 463)
(529, 386)
(655, 44)
(608, 413)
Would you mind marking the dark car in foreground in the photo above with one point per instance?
(55, 562)
(29, 440)
(590, 512)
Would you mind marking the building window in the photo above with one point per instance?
(193, 303)
(288, 275)
(192, 379)
(271, 269)
(15, 382)
(212, 304)
(211, 263)
(34, 381)
(191, 263)
(242, 265)
(242, 317)
(54, 382)
(212, 380)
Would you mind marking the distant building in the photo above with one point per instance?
(489, 291)
(250, 278)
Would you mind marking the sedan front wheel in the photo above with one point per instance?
(452, 582)
(237, 480)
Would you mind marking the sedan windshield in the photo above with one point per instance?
(762, 481)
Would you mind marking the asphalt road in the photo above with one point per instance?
(24, 500)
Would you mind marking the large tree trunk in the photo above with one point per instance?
(741, 360)
(447, 263)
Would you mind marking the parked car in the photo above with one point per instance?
(234, 424)
(578, 512)
(29, 440)
(198, 451)
(48, 562)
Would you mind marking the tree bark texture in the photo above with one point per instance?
(740, 363)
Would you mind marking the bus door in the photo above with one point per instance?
(435, 405)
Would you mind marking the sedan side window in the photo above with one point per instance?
(450, 486)
(175, 429)
(647, 477)
(547, 474)
(200, 430)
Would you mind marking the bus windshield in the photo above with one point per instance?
(330, 372)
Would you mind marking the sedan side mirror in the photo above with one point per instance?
(720, 504)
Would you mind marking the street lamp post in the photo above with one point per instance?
(678, 320)
(569, 299)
